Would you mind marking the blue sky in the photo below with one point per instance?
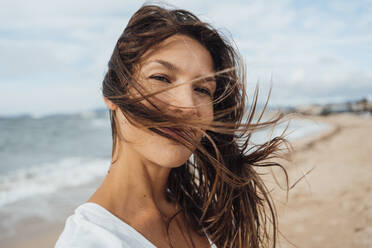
(53, 54)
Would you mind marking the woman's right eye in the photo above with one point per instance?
(160, 78)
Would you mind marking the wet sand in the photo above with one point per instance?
(330, 207)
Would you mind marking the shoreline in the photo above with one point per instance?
(301, 218)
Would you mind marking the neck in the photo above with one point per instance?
(144, 187)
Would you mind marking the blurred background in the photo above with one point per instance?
(55, 138)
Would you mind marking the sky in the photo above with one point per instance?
(54, 54)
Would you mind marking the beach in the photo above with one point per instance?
(330, 207)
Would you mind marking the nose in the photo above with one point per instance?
(182, 102)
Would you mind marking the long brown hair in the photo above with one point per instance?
(218, 188)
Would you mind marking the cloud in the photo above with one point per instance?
(40, 99)
(308, 50)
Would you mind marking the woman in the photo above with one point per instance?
(181, 173)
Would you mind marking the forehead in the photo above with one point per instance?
(184, 52)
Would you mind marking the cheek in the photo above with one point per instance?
(153, 147)
(160, 150)
(208, 112)
(130, 133)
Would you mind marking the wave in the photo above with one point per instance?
(48, 178)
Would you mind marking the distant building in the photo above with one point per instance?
(338, 107)
(359, 106)
(308, 109)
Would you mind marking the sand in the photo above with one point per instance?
(330, 207)
(34, 233)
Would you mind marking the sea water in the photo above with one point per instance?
(46, 162)
(42, 155)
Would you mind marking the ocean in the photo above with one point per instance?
(42, 155)
(50, 164)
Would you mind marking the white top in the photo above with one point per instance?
(92, 226)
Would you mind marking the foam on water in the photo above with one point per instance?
(48, 178)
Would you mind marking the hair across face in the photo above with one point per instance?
(178, 61)
(146, 34)
(174, 78)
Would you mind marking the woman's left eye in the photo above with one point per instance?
(204, 91)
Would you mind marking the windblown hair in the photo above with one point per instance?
(218, 189)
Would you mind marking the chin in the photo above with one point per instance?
(174, 162)
(171, 157)
(160, 150)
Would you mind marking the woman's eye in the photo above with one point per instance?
(204, 91)
(160, 78)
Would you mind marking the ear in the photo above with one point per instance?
(110, 104)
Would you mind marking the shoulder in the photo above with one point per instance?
(82, 230)
(92, 226)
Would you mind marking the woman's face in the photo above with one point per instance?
(175, 60)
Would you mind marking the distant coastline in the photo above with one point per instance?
(360, 107)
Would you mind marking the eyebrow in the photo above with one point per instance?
(172, 67)
(210, 78)
(166, 64)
